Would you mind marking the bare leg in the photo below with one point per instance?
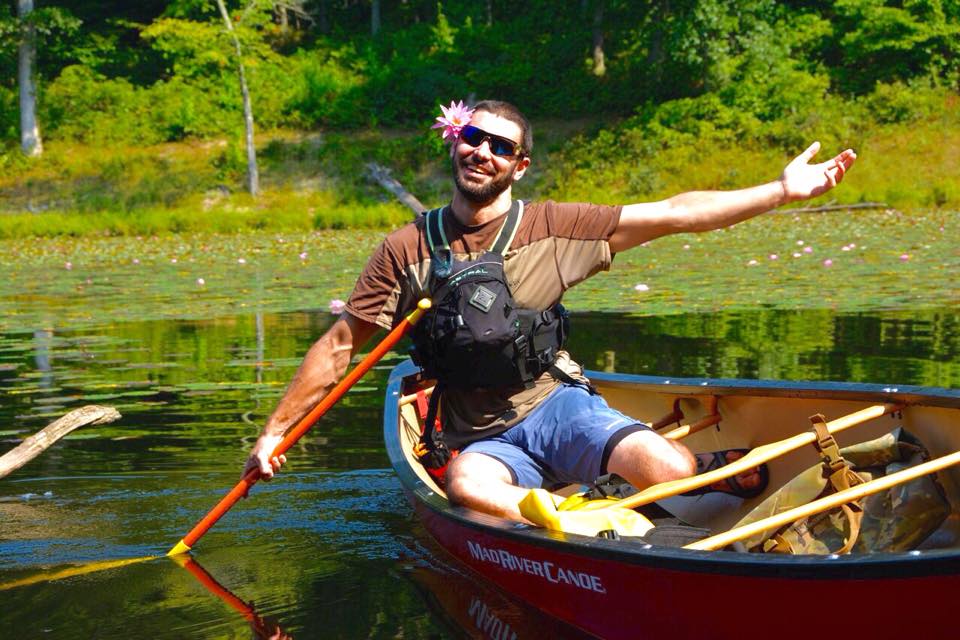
(644, 458)
(485, 484)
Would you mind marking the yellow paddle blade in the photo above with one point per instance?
(540, 507)
(179, 548)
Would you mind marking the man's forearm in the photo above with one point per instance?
(323, 366)
(708, 210)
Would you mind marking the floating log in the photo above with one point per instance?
(381, 175)
(36, 444)
(836, 207)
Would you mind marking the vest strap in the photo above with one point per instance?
(508, 229)
(440, 253)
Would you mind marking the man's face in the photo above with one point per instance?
(479, 174)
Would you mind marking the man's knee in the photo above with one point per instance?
(646, 458)
(470, 475)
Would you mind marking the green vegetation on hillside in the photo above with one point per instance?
(140, 109)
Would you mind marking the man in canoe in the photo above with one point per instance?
(536, 421)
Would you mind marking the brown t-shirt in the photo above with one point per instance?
(556, 246)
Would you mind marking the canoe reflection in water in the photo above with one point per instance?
(474, 607)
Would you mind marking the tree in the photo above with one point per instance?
(253, 174)
(375, 18)
(30, 140)
(599, 64)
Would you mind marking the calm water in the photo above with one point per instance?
(329, 549)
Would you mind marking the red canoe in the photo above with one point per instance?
(630, 589)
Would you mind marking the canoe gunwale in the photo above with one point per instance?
(934, 562)
(862, 391)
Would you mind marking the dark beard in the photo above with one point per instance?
(482, 194)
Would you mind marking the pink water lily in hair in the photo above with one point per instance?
(454, 118)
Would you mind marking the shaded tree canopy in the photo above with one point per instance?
(162, 69)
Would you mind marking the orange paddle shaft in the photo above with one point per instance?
(291, 437)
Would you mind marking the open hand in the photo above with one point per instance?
(802, 180)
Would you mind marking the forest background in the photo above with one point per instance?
(141, 116)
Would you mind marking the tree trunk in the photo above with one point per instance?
(39, 442)
(30, 140)
(381, 175)
(322, 22)
(253, 175)
(599, 65)
(375, 18)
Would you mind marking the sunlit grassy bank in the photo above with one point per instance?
(319, 181)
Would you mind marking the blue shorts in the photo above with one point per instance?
(566, 439)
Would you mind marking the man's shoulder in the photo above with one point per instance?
(580, 220)
(406, 237)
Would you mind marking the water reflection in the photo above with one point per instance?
(262, 628)
(474, 607)
(318, 548)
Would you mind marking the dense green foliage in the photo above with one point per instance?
(680, 82)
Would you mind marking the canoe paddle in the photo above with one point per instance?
(291, 437)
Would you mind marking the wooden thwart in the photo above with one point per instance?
(712, 418)
(756, 457)
(823, 504)
(405, 400)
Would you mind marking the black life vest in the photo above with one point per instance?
(475, 336)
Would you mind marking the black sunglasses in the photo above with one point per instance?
(503, 147)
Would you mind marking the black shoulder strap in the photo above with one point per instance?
(440, 254)
(509, 228)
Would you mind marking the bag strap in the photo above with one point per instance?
(841, 476)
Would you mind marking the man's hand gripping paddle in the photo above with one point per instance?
(301, 428)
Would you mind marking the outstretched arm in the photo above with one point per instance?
(322, 368)
(697, 211)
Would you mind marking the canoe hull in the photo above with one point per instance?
(613, 599)
(613, 589)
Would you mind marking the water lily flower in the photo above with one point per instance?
(752, 262)
(774, 256)
(641, 287)
(845, 248)
(173, 261)
(454, 118)
(68, 265)
(797, 254)
(799, 243)
(686, 246)
(904, 257)
(828, 262)
(336, 306)
(241, 261)
(303, 255)
(201, 282)
(808, 249)
(136, 261)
